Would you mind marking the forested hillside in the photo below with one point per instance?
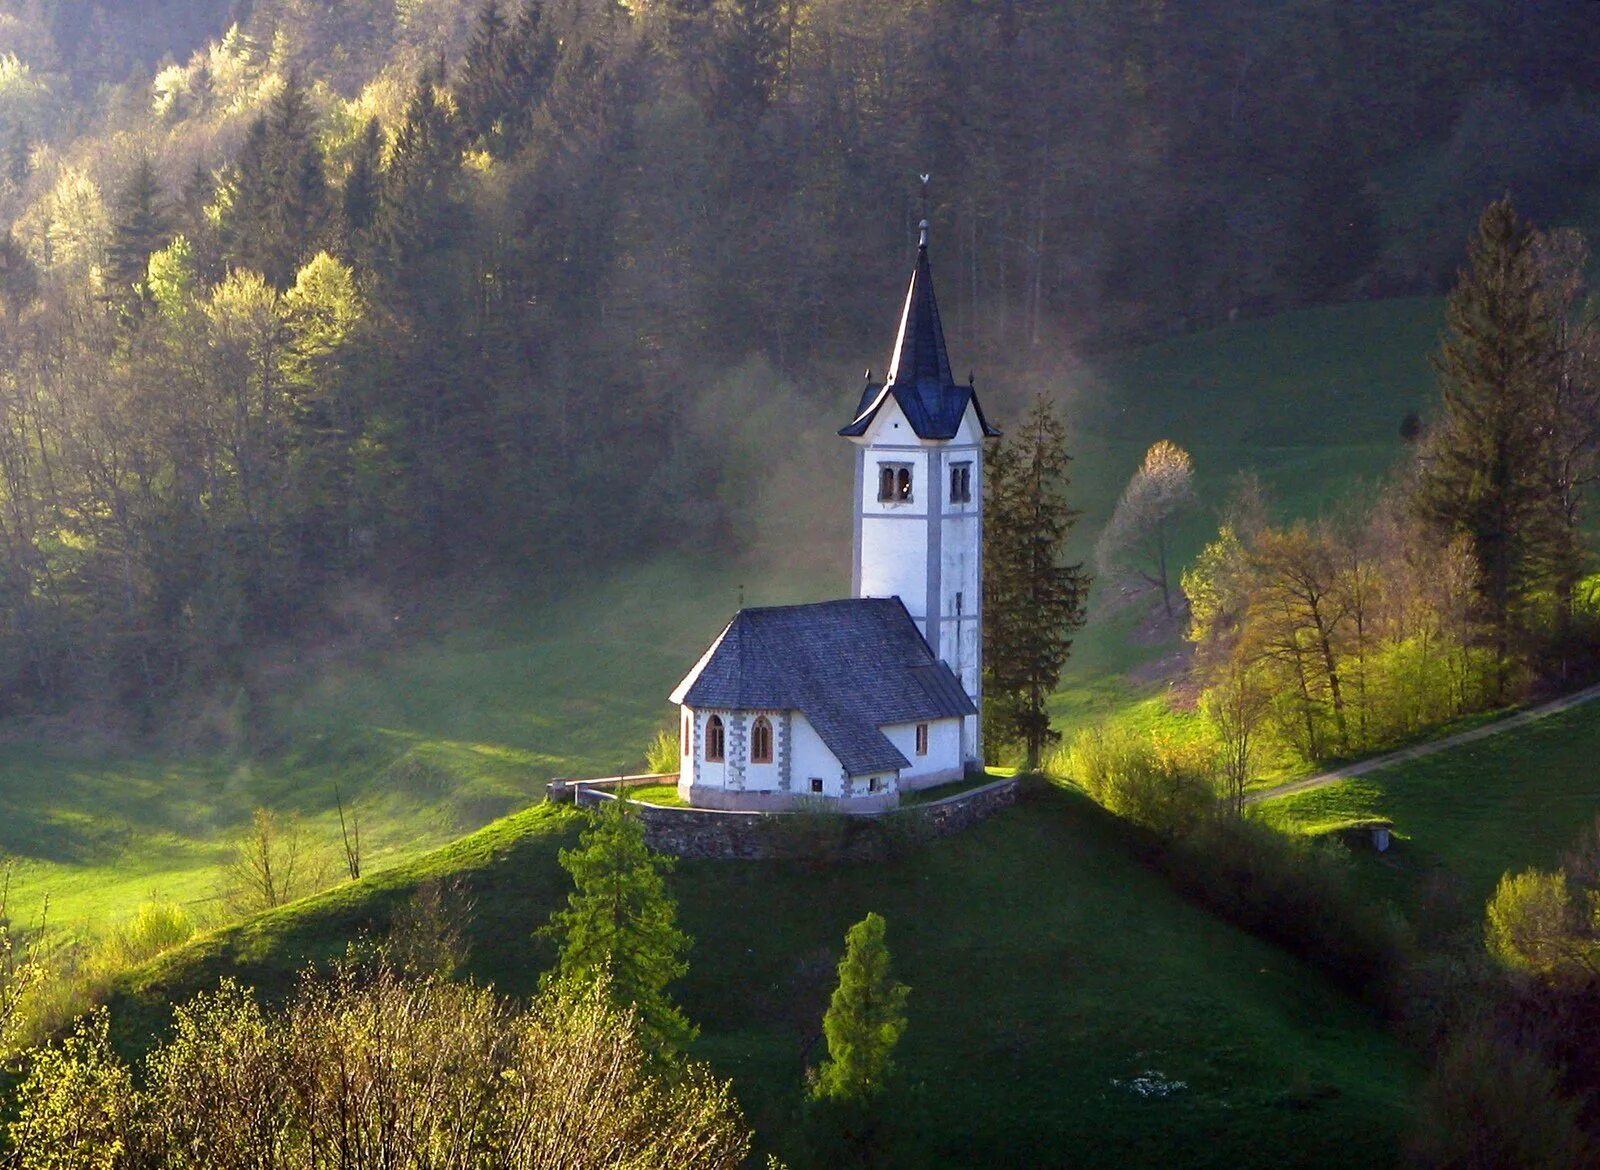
(308, 303)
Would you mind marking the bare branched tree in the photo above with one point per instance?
(1133, 550)
(274, 862)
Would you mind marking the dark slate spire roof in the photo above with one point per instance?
(919, 372)
(849, 666)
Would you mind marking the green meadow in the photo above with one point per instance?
(1507, 802)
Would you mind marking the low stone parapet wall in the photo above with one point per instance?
(806, 834)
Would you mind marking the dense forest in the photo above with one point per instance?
(299, 296)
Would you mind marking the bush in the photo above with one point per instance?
(1492, 1104)
(1296, 892)
(1141, 779)
(405, 1071)
(664, 755)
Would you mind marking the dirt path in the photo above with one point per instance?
(1417, 751)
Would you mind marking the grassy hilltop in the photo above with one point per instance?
(1050, 973)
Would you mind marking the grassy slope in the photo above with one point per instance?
(434, 736)
(1309, 401)
(456, 725)
(1506, 802)
(1047, 967)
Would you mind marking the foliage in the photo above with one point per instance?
(1535, 923)
(1519, 433)
(1298, 893)
(20, 973)
(378, 1066)
(1033, 602)
(620, 925)
(275, 862)
(1134, 547)
(1334, 638)
(865, 1021)
(1489, 1104)
(1154, 784)
(664, 754)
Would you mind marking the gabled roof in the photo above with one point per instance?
(919, 372)
(851, 667)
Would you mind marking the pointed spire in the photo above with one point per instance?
(920, 358)
(919, 376)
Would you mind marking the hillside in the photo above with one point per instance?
(1050, 971)
(1507, 802)
(441, 721)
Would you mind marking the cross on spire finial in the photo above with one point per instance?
(922, 228)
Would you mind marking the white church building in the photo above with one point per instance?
(860, 699)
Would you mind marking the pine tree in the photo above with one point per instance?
(749, 43)
(1033, 602)
(622, 921)
(358, 199)
(485, 73)
(419, 200)
(1482, 472)
(278, 199)
(139, 229)
(866, 1019)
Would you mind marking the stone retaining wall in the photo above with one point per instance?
(752, 836)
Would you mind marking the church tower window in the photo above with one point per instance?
(961, 483)
(922, 739)
(761, 741)
(894, 483)
(714, 740)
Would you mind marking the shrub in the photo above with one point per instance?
(1296, 892)
(1536, 923)
(1148, 782)
(664, 755)
(1492, 1104)
(386, 1069)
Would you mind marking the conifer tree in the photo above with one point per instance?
(866, 1019)
(138, 230)
(749, 43)
(278, 199)
(621, 921)
(358, 199)
(1482, 472)
(1033, 601)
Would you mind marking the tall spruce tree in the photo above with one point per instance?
(278, 198)
(138, 230)
(621, 920)
(1483, 473)
(1033, 600)
(866, 1018)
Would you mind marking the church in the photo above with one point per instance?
(855, 701)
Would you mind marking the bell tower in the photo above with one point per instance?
(919, 447)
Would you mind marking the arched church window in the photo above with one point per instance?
(761, 741)
(714, 739)
(902, 484)
(886, 483)
(686, 743)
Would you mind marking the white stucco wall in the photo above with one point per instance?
(812, 760)
(943, 762)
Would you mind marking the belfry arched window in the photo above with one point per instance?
(902, 484)
(761, 741)
(714, 739)
(886, 483)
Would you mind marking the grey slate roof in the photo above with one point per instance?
(849, 666)
(919, 372)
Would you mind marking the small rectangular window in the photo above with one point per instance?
(872, 784)
(816, 785)
(922, 739)
(961, 483)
